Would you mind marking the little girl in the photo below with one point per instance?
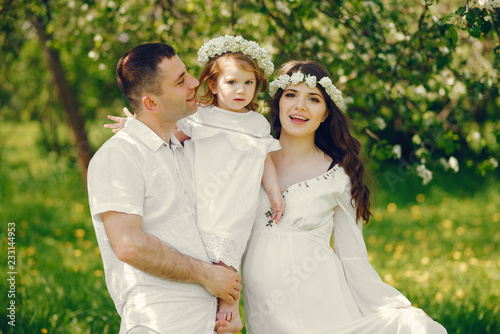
(230, 145)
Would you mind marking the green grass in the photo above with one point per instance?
(438, 244)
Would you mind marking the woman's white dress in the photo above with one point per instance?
(293, 281)
(228, 150)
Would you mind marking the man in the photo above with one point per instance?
(143, 210)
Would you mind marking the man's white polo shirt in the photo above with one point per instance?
(136, 172)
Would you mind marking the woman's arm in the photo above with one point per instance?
(368, 289)
(272, 187)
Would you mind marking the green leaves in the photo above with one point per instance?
(477, 22)
(395, 61)
(453, 34)
(486, 27)
(475, 32)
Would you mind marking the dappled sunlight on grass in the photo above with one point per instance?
(442, 251)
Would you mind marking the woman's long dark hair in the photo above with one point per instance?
(332, 136)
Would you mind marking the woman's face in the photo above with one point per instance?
(301, 110)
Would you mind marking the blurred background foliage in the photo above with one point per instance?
(420, 78)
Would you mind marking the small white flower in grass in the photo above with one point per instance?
(453, 162)
(396, 151)
(424, 173)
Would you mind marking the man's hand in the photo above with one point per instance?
(223, 283)
(147, 253)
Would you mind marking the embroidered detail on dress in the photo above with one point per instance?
(269, 215)
(309, 183)
(221, 248)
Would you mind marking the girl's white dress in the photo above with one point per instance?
(228, 151)
(294, 282)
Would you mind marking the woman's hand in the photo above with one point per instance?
(120, 121)
(278, 204)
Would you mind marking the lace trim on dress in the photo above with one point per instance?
(222, 249)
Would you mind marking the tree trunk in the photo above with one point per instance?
(66, 97)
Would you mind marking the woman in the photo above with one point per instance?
(293, 281)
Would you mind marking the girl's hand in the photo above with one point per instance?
(278, 204)
(120, 121)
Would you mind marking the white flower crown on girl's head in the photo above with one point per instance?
(224, 44)
(285, 80)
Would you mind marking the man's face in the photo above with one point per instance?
(177, 99)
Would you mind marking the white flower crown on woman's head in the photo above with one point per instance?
(224, 44)
(286, 80)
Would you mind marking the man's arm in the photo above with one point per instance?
(147, 253)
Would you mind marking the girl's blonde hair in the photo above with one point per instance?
(213, 68)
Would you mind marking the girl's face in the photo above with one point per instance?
(301, 110)
(234, 87)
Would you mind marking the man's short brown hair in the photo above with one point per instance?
(137, 72)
